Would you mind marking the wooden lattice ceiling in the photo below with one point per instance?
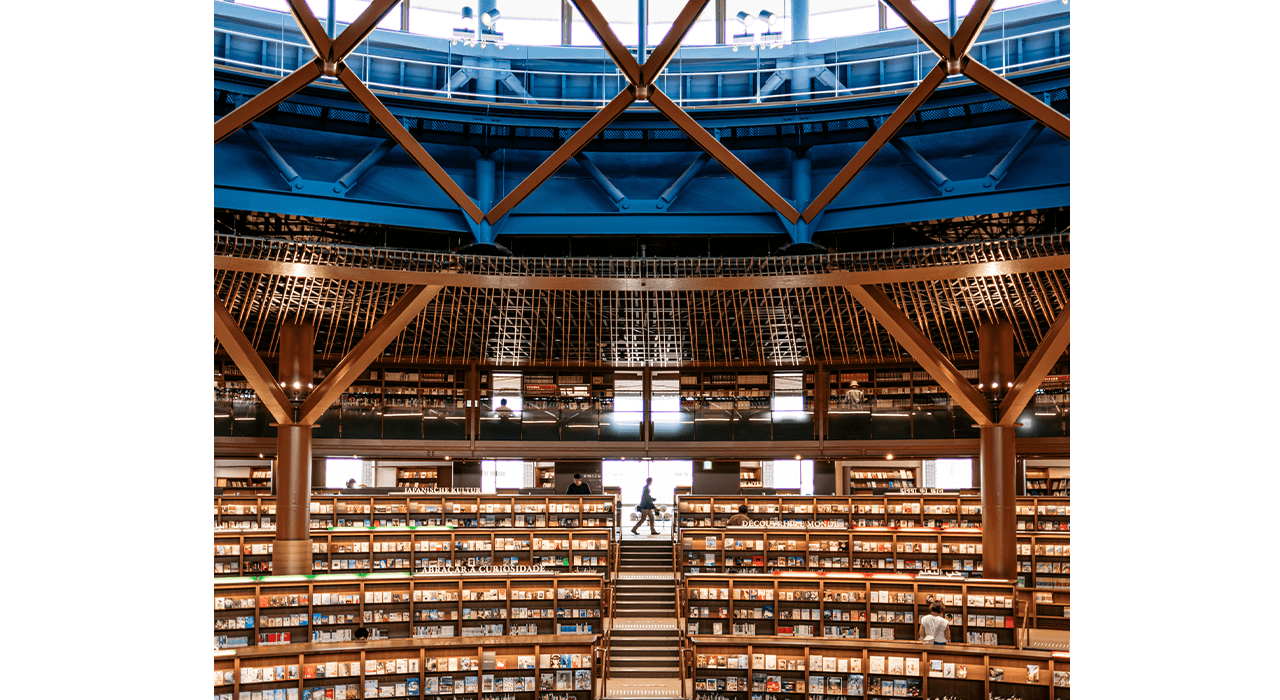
(664, 312)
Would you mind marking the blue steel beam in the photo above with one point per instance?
(244, 176)
(643, 222)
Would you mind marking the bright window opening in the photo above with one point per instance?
(501, 474)
(951, 474)
(338, 471)
(629, 475)
(794, 474)
(788, 396)
(506, 393)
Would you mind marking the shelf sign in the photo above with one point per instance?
(438, 570)
(433, 490)
(794, 525)
(916, 490)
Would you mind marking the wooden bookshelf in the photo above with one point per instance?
(871, 480)
(738, 668)
(1044, 559)
(233, 512)
(1035, 514)
(327, 608)
(1037, 481)
(875, 607)
(405, 667)
(872, 533)
(583, 550)
(424, 476)
(752, 476)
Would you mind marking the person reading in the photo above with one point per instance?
(578, 487)
(740, 518)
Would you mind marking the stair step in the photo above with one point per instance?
(644, 672)
(645, 634)
(617, 652)
(671, 659)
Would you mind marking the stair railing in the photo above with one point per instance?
(608, 645)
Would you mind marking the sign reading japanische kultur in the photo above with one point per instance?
(435, 491)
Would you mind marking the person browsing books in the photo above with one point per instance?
(741, 517)
(578, 487)
(933, 627)
(646, 509)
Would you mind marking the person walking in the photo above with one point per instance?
(934, 626)
(646, 509)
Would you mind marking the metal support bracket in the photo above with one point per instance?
(459, 78)
(940, 181)
(346, 182)
(1002, 168)
(514, 85)
(619, 199)
(669, 197)
(286, 171)
(826, 77)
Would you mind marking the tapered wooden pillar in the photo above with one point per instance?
(291, 554)
(996, 456)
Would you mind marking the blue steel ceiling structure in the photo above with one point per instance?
(320, 154)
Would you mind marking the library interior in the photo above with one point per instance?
(574, 349)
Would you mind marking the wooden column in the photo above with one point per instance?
(821, 400)
(997, 457)
(291, 554)
(292, 551)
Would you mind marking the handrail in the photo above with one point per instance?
(674, 69)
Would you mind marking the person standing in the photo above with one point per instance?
(741, 517)
(646, 509)
(933, 627)
(578, 487)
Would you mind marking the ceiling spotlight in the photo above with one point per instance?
(889, 456)
(797, 458)
(468, 13)
(489, 18)
(746, 19)
(767, 17)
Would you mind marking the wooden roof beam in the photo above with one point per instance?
(922, 350)
(250, 362)
(1051, 347)
(366, 351)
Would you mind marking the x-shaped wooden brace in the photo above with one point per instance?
(641, 87)
(954, 59)
(330, 61)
